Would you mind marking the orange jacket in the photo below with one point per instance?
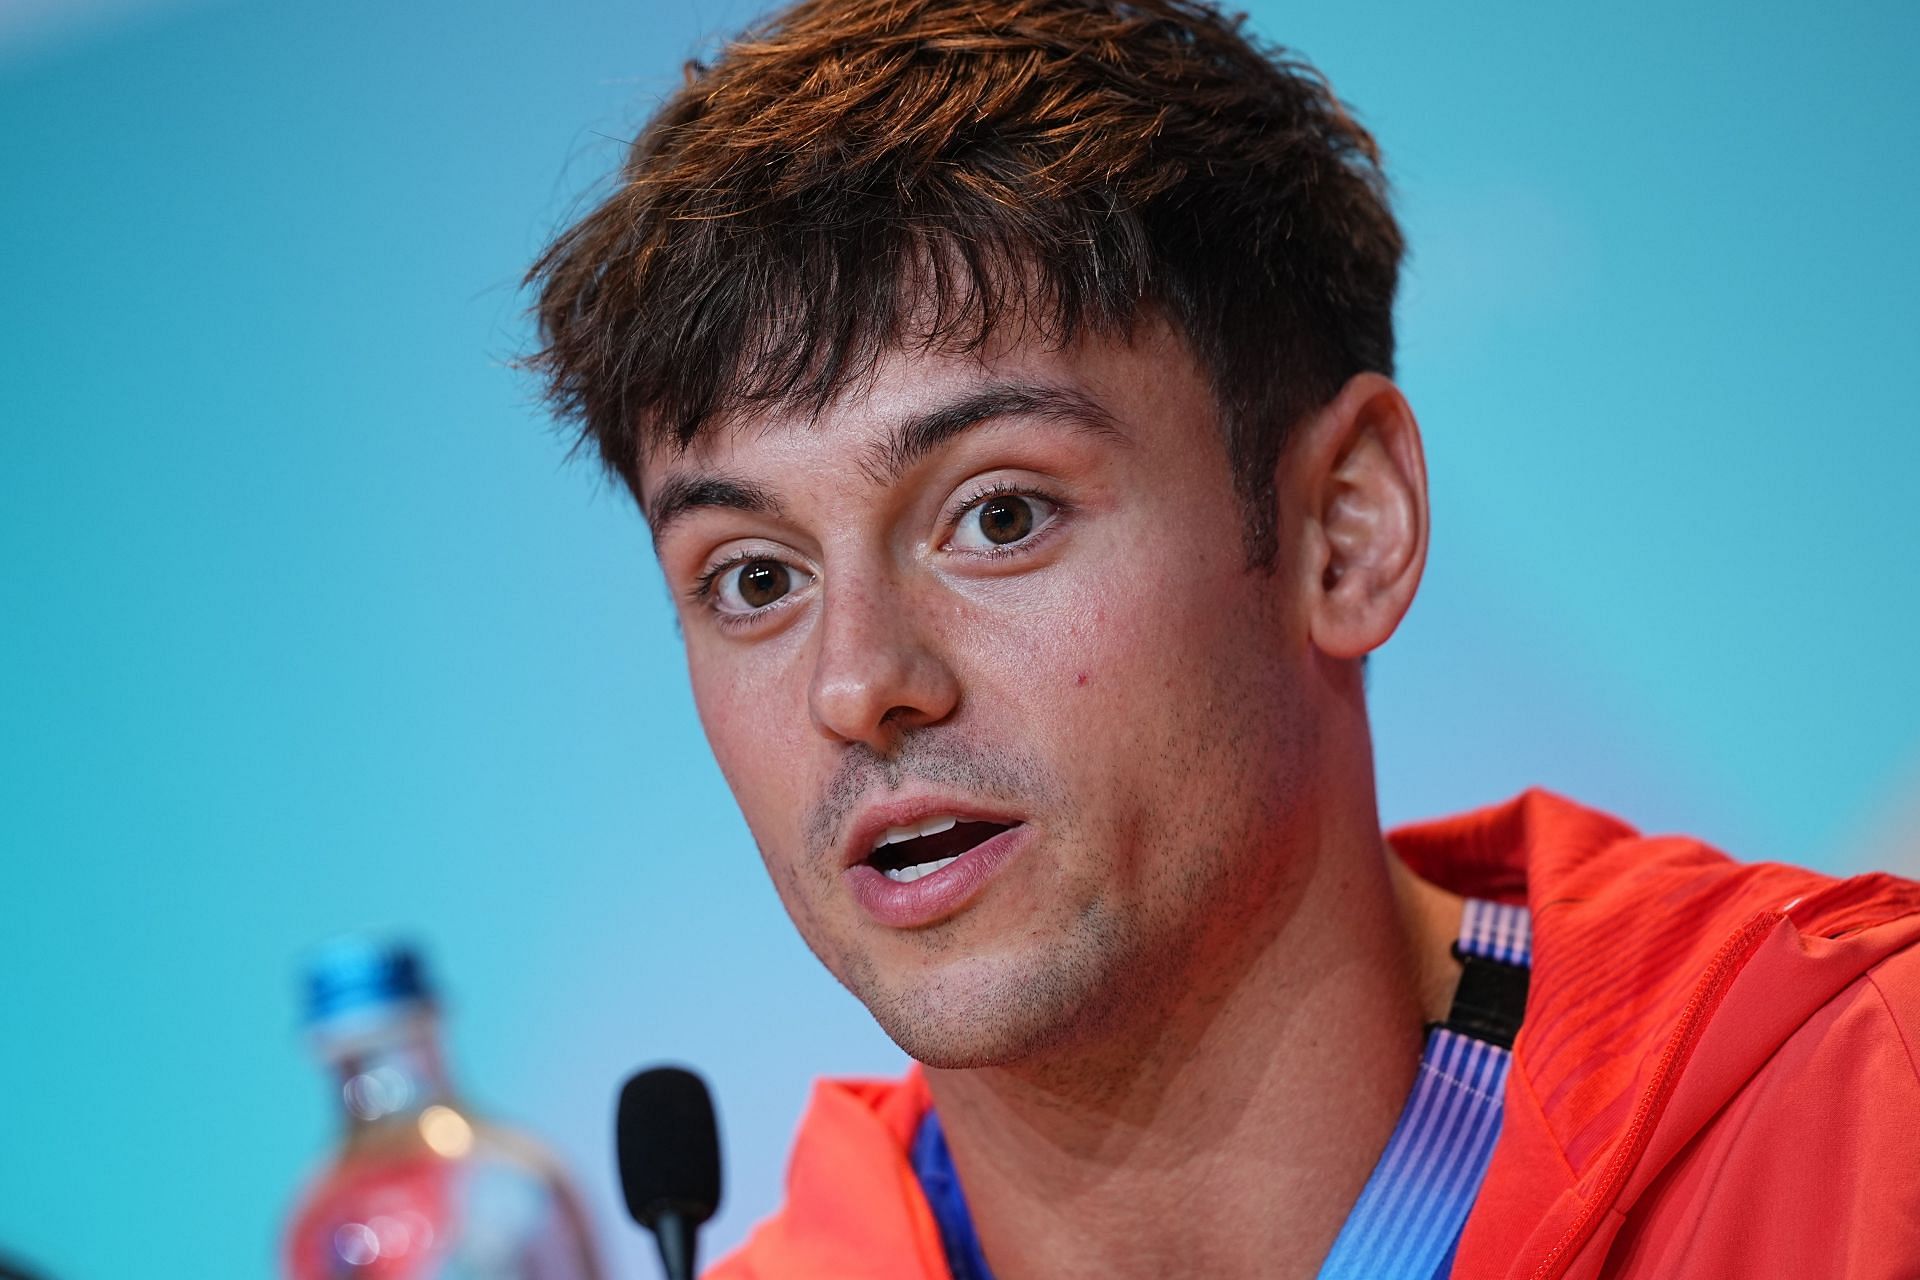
(1719, 1076)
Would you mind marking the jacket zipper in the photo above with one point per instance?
(1701, 1005)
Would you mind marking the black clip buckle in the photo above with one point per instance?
(1490, 1001)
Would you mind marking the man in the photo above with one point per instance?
(1007, 386)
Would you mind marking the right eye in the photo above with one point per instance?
(751, 585)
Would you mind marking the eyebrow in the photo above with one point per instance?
(684, 494)
(911, 440)
(916, 437)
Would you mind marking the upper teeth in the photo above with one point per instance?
(930, 827)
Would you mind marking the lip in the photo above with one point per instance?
(932, 898)
(875, 819)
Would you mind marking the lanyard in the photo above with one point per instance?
(1406, 1224)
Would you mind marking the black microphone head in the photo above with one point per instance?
(669, 1147)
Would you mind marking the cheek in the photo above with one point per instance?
(1131, 666)
(744, 711)
(1120, 621)
(1063, 664)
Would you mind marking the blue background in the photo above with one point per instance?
(309, 624)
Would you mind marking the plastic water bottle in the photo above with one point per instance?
(420, 1188)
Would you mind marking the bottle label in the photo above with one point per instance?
(389, 1220)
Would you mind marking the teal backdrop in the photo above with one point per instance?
(310, 624)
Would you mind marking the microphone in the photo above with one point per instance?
(669, 1153)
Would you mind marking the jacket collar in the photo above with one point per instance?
(1664, 976)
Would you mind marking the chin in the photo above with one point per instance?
(954, 1043)
(988, 1012)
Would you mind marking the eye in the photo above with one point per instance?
(748, 586)
(1000, 520)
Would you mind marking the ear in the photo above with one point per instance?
(1360, 477)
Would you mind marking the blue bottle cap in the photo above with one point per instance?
(356, 978)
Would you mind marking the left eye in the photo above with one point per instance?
(752, 585)
(1001, 521)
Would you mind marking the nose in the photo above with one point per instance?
(876, 672)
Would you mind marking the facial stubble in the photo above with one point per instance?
(1095, 961)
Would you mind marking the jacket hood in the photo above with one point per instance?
(1664, 977)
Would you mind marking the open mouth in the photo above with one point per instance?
(905, 854)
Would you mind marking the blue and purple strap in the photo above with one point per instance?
(934, 1163)
(1408, 1219)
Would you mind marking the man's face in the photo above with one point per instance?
(1006, 589)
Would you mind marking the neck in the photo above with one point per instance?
(1227, 1130)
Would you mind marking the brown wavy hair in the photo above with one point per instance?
(855, 173)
